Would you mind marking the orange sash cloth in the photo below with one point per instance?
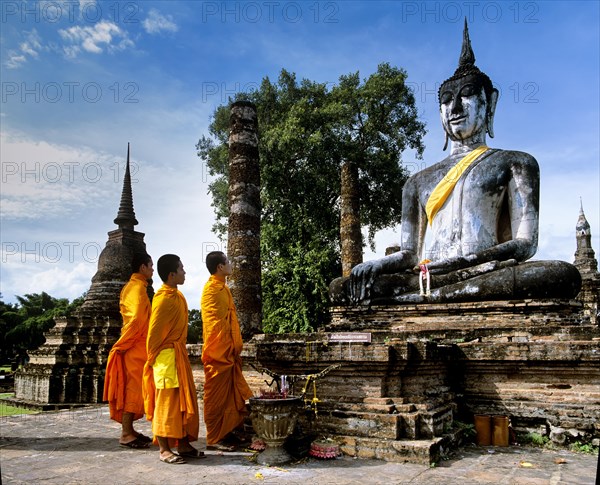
(173, 412)
(445, 187)
(123, 380)
(225, 388)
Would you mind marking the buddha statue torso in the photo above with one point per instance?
(481, 206)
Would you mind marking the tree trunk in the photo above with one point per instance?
(350, 233)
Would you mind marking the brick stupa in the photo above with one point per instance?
(68, 369)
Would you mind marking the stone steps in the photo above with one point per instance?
(424, 452)
(384, 421)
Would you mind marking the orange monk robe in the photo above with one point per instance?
(173, 412)
(123, 381)
(225, 389)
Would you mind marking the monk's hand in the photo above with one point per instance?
(361, 280)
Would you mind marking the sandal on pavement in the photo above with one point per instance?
(143, 437)
(193, 453)
(221, 447)
(173, 460)
(136, 444)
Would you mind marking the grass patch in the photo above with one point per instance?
(8, 410)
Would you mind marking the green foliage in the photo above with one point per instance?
(22, 326)
(295, 288)
(8, 319)
(535, 439)
(468, 429)
(306, 131)
(194, 335)
(587, 448)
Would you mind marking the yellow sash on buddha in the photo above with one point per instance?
(446, 186)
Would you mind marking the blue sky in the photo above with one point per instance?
(82, 78)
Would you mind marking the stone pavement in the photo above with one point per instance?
(81, 447)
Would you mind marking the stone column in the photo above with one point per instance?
(243, 241)
(350, 234)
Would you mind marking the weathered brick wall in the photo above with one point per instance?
(538, 384)
(537, 362)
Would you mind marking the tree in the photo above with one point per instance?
(377, 121)
(24, 324)
(194, 335)
(8, 319)
(308, 132)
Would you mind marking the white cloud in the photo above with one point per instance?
(71, 51)
(27, 49)
(74, 218)
(156, 23)
(41, 180)
(15, 60)
(61, 282)
(30, 47)
(94, 39)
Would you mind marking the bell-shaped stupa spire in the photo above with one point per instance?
(126, 216)
(583, 226)
(585, 258)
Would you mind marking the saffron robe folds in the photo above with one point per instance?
(125, 366)
(173, 412)
(225, 388)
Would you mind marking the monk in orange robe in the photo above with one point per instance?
(123, 381)
(225, 389)
(170, 397)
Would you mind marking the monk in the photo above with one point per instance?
(169, 392)
(123, 381)
(225, 389)
(481, 207)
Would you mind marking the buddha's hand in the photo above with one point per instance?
(446, 265)
(361, 280)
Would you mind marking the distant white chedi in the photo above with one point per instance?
(482, 208)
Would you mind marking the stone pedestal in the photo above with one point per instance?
(397, 396)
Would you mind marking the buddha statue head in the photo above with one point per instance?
(467, 99)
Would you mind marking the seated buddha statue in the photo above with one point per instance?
(481, 208)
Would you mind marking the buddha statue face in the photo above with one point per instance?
(464, 108)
